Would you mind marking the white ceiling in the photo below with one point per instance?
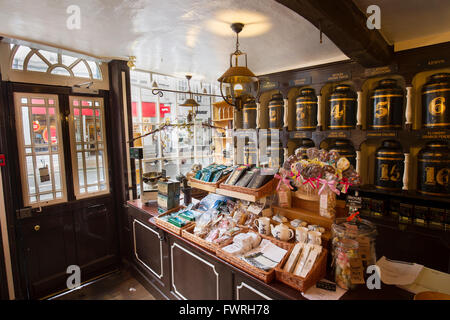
(412, 23)
(174, 37)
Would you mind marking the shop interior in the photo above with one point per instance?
(224, 150)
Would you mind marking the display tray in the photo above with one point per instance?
(248, 194)
(266, 276)
(317, 273)
(167, 225)
(307, 216)
(188, 233)
(207, 186)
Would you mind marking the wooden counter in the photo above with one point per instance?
(186, 270)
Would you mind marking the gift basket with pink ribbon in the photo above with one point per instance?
(319, 175)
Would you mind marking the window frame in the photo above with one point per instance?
(73, 148)
(195, 155)
(17, 96)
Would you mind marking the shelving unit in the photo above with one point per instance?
(223, 117)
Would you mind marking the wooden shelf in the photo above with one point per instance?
(308, 216)
(410, 194)
(202, 186)
(312, 217)
(239, 195)
(223, 119)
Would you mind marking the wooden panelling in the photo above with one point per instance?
(196, 276)
(49, 244)
(95, 238)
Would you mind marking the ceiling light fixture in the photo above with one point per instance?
(190, 102)
(239, 78)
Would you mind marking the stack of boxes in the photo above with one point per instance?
(168, 195)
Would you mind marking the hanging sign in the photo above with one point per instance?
(163, 110)
(44, 174)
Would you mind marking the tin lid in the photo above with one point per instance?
(442, 76)
(387, 82)
(306, 91)
(341, 142)
(277, 96)
(342, 87)
(353, 228)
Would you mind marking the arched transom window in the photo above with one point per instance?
(28, 59)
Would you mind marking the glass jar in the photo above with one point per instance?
(360, 230)
(345, 250)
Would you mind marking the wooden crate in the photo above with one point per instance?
(314, 205)
(317, 273)
(207, 186)
(248, 194)
(266, 276)
(188, 233)
(309, 217)
(167, 225)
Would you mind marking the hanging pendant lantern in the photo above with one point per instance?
(240, 79)
(190, 102)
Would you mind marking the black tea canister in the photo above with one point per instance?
(386, 102)
(389, 166)
(345, 149)
(343, 107)
(435, 101)
(433, 162)
(249, 114)
(306, 110)
(276, 111)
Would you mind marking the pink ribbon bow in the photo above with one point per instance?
(285, 180)
(345, 184)
(311, 182)
(331, 184)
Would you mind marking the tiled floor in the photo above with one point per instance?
(118, 286)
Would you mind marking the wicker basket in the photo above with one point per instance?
(266, 276)
(317, 272)
(167, 225)
(207, 186)
(248, 194)
(188, 234)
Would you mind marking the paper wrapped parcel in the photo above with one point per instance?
(266, 256)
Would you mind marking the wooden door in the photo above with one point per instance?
(48, 243)
(67, 212)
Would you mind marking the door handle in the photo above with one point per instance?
(37, 227)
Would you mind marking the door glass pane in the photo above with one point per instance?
(39, 152)
(87, 129)
(26, 126)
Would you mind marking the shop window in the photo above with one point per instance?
(40, 149)
(174, 150)
(87, 130)
(28, 59)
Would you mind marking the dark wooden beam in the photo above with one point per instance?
(344, 24)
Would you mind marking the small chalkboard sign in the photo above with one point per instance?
(326, 285)
(353, 201)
